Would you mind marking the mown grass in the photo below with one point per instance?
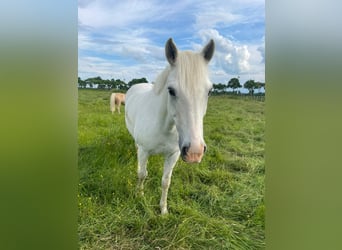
(217, 204)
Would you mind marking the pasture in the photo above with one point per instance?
(217, 204)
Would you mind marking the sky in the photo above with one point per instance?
(120, 39)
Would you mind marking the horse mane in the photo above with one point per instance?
(191, 68)
(161, 80)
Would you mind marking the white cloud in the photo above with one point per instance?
(98, 14)
(232, 59)
(96, 66)
(118, 14)
(210, 15)
(218, 13)
(84, 3)
(261, 49)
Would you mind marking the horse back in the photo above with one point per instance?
(120, 98)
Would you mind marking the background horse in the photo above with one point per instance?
(167, 117)
(115, 101)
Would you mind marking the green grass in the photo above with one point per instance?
(217, 204)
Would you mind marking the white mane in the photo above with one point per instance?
(159, 84)
(191, 68)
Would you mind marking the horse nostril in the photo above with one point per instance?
(185, 151)
(205, 149)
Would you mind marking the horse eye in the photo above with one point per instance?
(210, 90)
(172, 91)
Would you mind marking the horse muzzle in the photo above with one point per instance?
(193, 154)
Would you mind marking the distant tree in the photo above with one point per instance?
(250, 85)
(116, 84)
(259, 85)
(81, 83)
(121, 85)
(112, 84)
(107, 83)
(96, 80)
(234, 83)
(219, 87)
(135, 81)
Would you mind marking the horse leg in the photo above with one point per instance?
(119, 104)
(142, 171)
(169, 163)
(112, 108)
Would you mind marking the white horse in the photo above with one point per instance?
(116, 99)
(167, 117)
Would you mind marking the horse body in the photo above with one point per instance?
(116, 99)
(167, 117)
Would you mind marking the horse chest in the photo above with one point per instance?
(157, 140)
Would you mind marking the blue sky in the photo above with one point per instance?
(125, 39)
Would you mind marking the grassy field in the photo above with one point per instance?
(217, 204)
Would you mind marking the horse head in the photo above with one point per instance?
(188, 87)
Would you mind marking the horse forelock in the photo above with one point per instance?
(191, 69)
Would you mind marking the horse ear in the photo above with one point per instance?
(208, 50)
(171, 51)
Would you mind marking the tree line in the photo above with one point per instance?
(234, 84)
(218, 88)
(99, 83)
